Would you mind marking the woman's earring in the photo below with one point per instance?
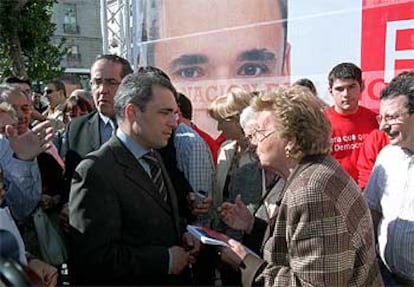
(288, 150)
(289, 147)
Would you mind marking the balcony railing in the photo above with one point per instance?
(70, 28)
(73, 60)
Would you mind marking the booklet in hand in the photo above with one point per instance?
(208, 236)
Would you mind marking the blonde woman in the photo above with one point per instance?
(233, 153)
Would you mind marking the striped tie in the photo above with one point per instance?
(156, 174)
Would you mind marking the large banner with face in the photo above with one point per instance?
(208, 47)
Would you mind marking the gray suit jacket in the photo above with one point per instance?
(121, 228)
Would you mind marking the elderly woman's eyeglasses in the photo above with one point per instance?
(259, 135)
(392, 119)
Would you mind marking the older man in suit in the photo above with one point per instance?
(123, 208)
(88, 133)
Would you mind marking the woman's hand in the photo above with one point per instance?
(236, 215)
(234, 254)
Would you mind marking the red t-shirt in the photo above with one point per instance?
(209, 140)
(220, 139)
(348, 133)
(368, 153)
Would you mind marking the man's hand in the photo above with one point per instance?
(47, 201)
(199, 208)
(38, 116)
(192, 245)
(180, 259)
(236, 215)
(64, 219)
(30, 144)
(46, 272)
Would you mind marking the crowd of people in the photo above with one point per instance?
(305, 194)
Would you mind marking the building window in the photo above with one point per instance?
(70, 23)
(73, 56)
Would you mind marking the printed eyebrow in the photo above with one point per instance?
(103, 79)
(166, 110)
(256, 55)
(189, 60)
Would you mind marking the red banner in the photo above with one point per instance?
(387, 44)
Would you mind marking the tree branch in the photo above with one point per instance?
(20, 4)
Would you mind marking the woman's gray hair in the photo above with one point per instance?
(246, 115)
(297, 115)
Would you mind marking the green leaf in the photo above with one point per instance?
(32, 26)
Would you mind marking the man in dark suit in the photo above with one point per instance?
(123, 209)
(89, 132)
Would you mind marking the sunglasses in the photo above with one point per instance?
(47, 91)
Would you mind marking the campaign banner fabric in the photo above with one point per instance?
(208, 47)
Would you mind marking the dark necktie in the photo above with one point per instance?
(156, 174)
(107, 132)
(114, 123)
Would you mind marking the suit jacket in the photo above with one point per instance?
(322, 234)
(82, 136)
(121, 228)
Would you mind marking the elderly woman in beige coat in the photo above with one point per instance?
(322, 234)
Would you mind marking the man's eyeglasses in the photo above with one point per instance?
(392, 119)
(97, 83)
(259, 135)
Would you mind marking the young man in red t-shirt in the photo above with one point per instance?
(351, 123)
